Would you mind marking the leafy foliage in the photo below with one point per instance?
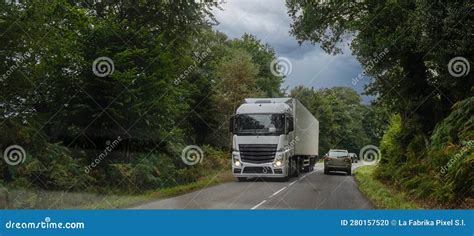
(172, 75)
(407, 47)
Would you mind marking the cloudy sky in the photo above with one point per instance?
(269, 21)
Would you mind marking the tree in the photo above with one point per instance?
(395, 41)
(262, 55)
(237, 77)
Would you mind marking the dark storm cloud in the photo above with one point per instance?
(269, 21)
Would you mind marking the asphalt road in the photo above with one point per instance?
(312, 190)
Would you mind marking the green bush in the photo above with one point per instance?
(441, 173)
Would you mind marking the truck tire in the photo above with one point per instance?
(326, 171)
(349, 171)
(299, 164)
(294, 168)
(306, 169)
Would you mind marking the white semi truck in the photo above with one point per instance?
(273, 138)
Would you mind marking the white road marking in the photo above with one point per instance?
(280, 190)
(275, 193)
(256, 206)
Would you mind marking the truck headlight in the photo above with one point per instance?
(237, 163)
(279, 159)
(236, 160)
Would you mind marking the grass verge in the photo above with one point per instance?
(382, 195)
(40, 199)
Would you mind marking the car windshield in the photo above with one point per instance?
(271, 124)
(338, 154)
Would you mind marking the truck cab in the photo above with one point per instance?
(264, 140)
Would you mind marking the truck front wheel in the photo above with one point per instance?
(294, 167)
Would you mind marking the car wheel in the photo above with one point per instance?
(349, 171)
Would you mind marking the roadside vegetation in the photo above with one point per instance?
(382, 195)
(171, 81)
(419, 57)
(119, 127)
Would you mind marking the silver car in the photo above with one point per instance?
(338, 160)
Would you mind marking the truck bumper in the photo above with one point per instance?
(265, 170)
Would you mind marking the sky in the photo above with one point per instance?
(269, 21)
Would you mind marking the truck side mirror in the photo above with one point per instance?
(231, 124)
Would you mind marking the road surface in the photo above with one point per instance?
(313, 190)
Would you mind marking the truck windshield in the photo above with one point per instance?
(262, 124)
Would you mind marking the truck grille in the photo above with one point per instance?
(257, 153)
